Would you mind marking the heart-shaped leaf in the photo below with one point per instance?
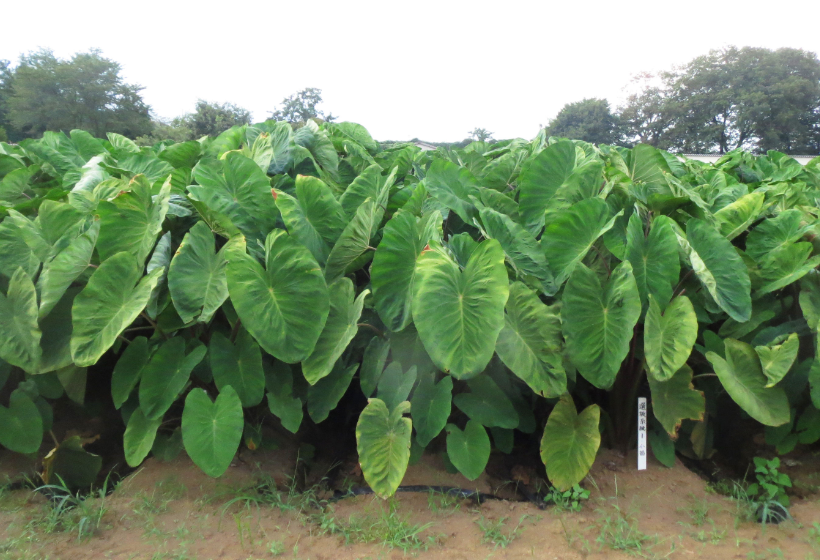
(598, 321)
(353, 249)
(212, 431)
(110, 302)
(777, 359)
(720, 269)
(742, 377)
(570, 443)
(395, 385)
(383, 443)
(487, 404)
(139, 437)
(284, 305)
(669, 336)
(654, 257)
(469, 450)
(675, 400)
(128, 370)
(22, 425)
(431, 407)
(281, 400)
(571, 234)
(165, 375)
(340, 328)
(196, 276)
(328, 391)
(530, 343)
(541, 176)
(394, 265)
(452, 185)
(19, 332)
(238, 365)
(375, 356)
(458, 313)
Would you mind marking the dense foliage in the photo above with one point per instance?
(528, 291)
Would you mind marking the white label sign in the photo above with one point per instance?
(641, 434)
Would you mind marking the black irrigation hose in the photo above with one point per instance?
(475, 495)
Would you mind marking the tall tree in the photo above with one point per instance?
(301, 106)
(213, 118)
(750, 98)
(481, 135)
(590, 120)
(86, 92)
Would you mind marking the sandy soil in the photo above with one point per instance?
(173, 511)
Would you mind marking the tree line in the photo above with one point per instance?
(751, 98)
(43, 92)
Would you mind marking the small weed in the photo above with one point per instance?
(69, 512)
(443, 502)
(698, 511)
(387, 528)
(495, 534)
(277, 548)
(621, 533)
(569, 500)
(771, 484)
(814, 534)
(714, 536)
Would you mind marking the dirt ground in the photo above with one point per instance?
(173, 511)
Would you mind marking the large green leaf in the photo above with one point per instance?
(366, 185)
(777, 359)
(541, 176)
(211, 431)
(238, 365)
(453, 186)
(742, 377)
(395, 384)
(774, 234)
(468, 450)
(60, 272)
(568, 238)
(675, 400)
(530, 343)
(196, 276)
(733, 219)
(281, 400)
(375, 356)
(431, 407)
(14, 253)
(19, 332)
(654, 257)
(165, 375)
(458, 313)
(239, 190)
(139, 437)
(383, 443)
(350, 251)
(114, 296)
(132, 221)
(720, 269)
(284, 305)
(314, 216)
(570, 443)
(789, 264)
(519, 245)
(182, 154)
(340, 328)
(22, 425)
(669, 336)
(128, 370)
(394, 265)
(328, 391)
(487, 404)
(598, 321)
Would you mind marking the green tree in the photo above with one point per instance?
(86, 92)
(590, 120)
(214, 118)
(301, 106)
(750, 98)
(481, 135)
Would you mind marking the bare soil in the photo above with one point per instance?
(173, 511)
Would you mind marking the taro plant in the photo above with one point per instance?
(476, 297)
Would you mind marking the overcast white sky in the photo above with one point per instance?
(427, 69)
